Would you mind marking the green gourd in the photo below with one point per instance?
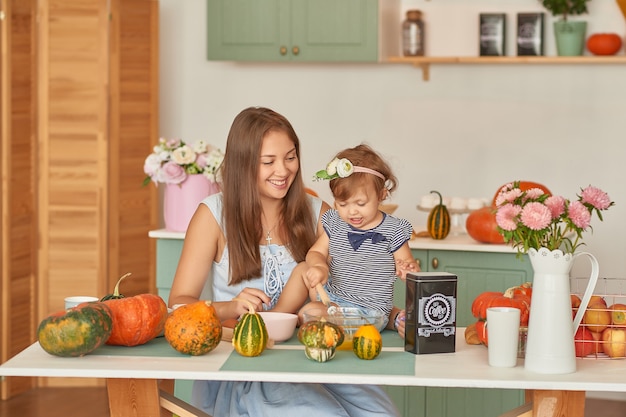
(77, 331)
(367, 342)
(438, 223)
(250, 336)
(320, 339)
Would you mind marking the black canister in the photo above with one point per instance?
(430, 312)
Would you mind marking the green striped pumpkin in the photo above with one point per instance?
(250, 335)
(438, 220)
(367, 342)
(77, 331)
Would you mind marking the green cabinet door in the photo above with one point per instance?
(292, 30)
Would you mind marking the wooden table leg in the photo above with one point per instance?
(550, 403)
(133, 397)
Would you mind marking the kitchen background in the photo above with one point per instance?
(467, 131)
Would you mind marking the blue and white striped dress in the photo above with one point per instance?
(364, 277)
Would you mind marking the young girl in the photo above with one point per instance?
(249, 239)
(363, 248)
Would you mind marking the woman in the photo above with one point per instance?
(270, 223)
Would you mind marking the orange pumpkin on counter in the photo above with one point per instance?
(518, 297)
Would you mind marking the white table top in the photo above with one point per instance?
(467, 367)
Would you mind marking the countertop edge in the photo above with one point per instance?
(461, 242)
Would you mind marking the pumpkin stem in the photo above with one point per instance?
(440, 197)
(116, 290)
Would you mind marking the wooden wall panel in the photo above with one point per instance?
(74, 60)
(18, 225)
(134, 132)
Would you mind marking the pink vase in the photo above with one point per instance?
(181, 200)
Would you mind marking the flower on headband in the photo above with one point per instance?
(337, 168)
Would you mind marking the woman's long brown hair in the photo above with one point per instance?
(242, 210)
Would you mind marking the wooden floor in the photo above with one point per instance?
(92, 402)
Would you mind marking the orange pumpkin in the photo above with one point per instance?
(524, 186)
(518, 297)
(481, 331)
(137, 319)
(194, 329)
(604, 43)
(481, 226)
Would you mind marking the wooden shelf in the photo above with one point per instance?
(425, 62)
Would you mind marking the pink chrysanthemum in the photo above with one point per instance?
(596, 197)
(556, 205)
(506, 216)
(536, 216)
(534, 193)
(508, 196)
(579, 214)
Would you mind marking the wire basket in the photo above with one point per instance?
(604, 321)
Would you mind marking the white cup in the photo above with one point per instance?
(503, 335)
(78, 299)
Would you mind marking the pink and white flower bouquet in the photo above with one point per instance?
(173, 159)
(534, 219)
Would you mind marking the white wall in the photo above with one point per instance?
(465, 132)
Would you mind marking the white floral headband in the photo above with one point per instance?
(342, 168)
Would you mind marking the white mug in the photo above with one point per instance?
(503, 336)
(71, 302)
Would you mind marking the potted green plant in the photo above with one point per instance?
(569, 35)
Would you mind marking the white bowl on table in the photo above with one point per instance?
(280, 326)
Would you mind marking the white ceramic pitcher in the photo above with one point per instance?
(550, 342)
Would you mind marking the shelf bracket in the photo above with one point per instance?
(425, 70)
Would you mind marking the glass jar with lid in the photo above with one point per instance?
(413, 34)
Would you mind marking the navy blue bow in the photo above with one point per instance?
(356, 239)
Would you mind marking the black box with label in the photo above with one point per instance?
(530, 34)
(492, 34)
(430, 312)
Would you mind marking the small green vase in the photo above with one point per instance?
(570, 37)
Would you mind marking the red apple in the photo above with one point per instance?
(597, 337)
(584, 343)
(618, 315)
(614, 342)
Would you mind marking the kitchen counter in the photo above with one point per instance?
(461, 242)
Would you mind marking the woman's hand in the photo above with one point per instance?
(254, 296)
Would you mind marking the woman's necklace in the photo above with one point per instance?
(268, 236)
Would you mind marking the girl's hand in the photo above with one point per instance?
(315, 275)
(405, 266)
(400, 323)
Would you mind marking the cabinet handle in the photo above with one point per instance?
(419, 264)
(435, 263)
(295, 50)
(283, 50)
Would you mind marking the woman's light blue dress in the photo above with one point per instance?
(234, 398)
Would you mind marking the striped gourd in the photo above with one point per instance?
(438, 220)
(250, 335)
(367, 342)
